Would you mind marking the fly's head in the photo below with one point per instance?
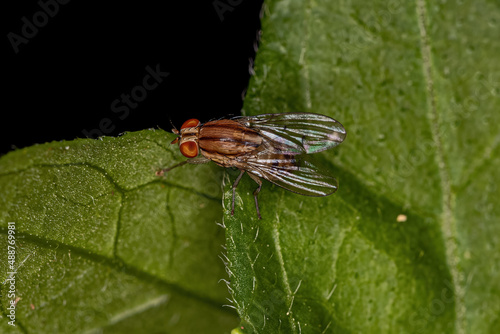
(188, 138)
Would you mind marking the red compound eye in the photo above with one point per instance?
(190, 123)
(189, 149)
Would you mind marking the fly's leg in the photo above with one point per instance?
(234, 189)
(193, 161)
(256, 192)
(166, 170)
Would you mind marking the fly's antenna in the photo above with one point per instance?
(174, 129)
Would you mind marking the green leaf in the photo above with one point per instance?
(103, 244)
(410, 242)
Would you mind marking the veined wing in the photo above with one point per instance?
(292, 172)
(296, 133)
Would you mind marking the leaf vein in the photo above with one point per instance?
(118, 265)
(448, 225)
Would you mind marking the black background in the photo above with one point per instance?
(62, 82)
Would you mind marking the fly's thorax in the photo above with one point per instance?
(227, 137)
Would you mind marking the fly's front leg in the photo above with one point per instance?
(193, 161)
(161, 172)
(235, 184)
(256, 192)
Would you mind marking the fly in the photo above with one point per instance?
(273, 147)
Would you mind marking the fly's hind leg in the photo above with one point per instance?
(256, 192)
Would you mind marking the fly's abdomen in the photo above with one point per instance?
(228, 137)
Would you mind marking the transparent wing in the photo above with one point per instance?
(292, 172)
(296, 133)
